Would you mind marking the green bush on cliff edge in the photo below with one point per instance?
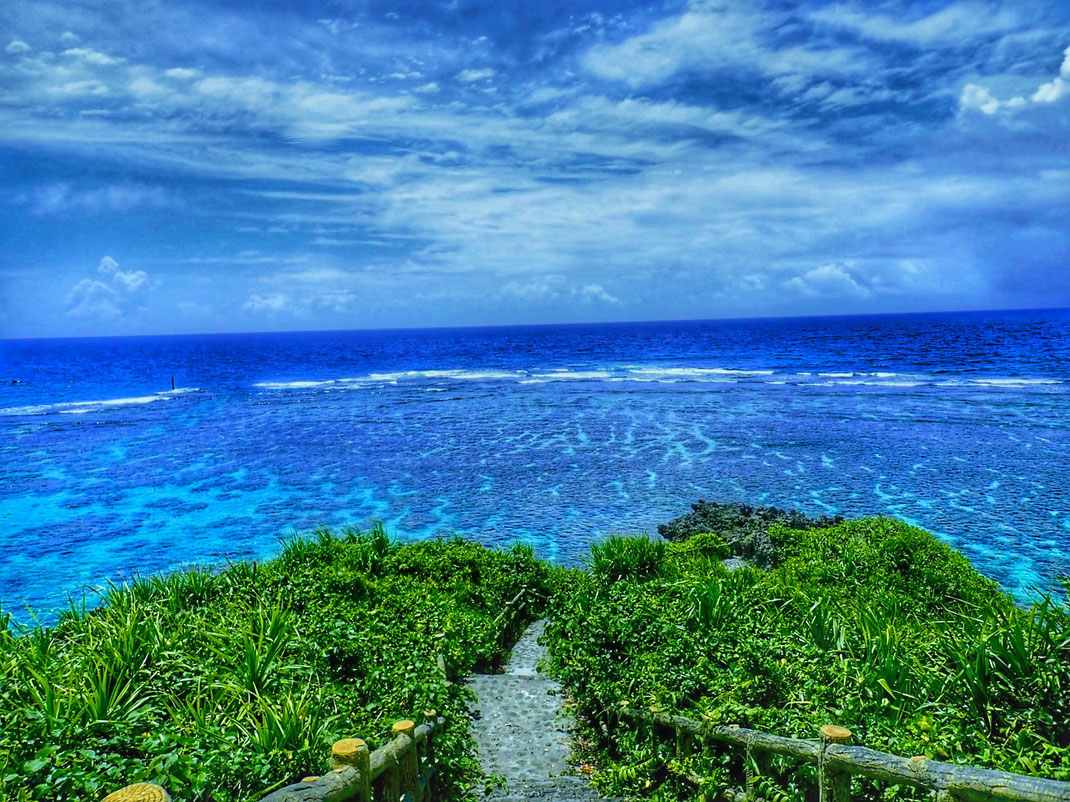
(224, 685)
(870, 624)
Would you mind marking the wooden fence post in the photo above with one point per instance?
(354, 752)
(408, 766)
(685, 743)
(835, 786)
(756, 764)
(139, 792)
(427, 770)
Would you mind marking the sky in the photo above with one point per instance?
(198, 166)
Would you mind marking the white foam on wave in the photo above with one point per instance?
(563, 374)
(81, 407)
(697, 372)
(655, 380)
(635, 373)
(466, 375)
(299, 385)
(1013, 382)
(387, 378)
(877, 383)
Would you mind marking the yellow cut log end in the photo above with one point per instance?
(836, 735)
(344, 752)
(404, 726)
(139, 792)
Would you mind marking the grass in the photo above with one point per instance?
(223, 686)
(870, 624)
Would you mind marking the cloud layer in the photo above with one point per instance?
(517, 163)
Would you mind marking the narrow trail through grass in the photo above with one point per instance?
(521, 730)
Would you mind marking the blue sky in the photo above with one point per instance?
(191, 166)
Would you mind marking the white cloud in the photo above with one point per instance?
(469, 76)
(596, 292)
(980, 98)
(313, 288)
(117, 296)
(709, 38)
(63, 198)
(555, 289)
(273, 302)
(952, 24)
(828, 281)
(1051, 92)
(17, 47)
(181, 73)
(94, 57)
(80, 89)
(125, 281)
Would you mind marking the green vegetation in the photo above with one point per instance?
(870, 624)
(226, 685)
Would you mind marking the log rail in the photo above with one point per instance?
(838, 760)
(403, 768)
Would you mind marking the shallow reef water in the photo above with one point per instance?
(552, 435)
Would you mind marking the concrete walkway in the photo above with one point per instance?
(521, 730)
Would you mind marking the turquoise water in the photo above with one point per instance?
(550, 435)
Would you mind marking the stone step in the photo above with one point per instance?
(521, 730)
(567, 788)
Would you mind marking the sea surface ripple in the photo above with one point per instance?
(551, 435)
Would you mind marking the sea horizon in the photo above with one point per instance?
(580, 323)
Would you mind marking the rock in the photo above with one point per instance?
(743, 527)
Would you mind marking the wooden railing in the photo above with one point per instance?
(837, 761)
(512, 617)
(402, 769)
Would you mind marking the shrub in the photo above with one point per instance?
(222, 686)
(871, 624)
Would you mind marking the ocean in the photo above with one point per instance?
(550, 435)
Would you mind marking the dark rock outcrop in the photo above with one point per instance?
(743, 527)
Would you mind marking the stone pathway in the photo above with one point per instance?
(521, 731)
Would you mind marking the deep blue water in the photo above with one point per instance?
(552, 435)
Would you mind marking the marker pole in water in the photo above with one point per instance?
(172, 382)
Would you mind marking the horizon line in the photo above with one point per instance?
(742, 319)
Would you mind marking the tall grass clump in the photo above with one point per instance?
(632, 558)
(224, 685)
(870, 624)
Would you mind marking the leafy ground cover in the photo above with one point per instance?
(870, 624)
(224, 685)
